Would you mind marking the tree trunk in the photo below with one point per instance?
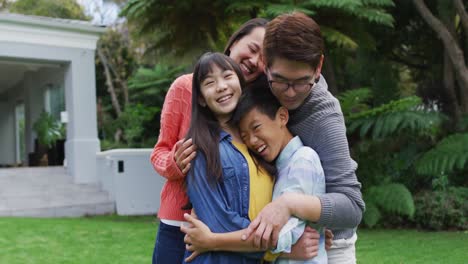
(110, 85)
(451, 47)
(329, 75)
(119, 80)
(449, 85)
(449, 81)
(463, 15)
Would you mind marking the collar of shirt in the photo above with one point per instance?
(224, 135)
(286, 154)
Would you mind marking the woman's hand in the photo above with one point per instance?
(185, 152)
(198, 237)
(268, 223)
(306, 247)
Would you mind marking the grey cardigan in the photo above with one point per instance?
(320, 124)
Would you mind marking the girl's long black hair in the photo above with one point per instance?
(204, 127)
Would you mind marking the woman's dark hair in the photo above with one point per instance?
(204, 127)
(244, 30)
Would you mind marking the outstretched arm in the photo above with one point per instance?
(200, 239)
(210, 203)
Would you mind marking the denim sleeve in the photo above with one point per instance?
(211, 205)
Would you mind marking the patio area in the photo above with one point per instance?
(49, 192)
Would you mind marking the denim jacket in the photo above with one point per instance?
(224, 205)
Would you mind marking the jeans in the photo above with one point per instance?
(169, 247)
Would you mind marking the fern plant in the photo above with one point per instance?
(346, 32)
(392, 198)
(395, 117)
(389, 136)
(448, 155)
(355, 100)
(150, 85)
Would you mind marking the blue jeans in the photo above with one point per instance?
(169, 247)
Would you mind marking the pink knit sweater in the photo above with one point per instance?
(175, 122)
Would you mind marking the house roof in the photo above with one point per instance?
(48, 22)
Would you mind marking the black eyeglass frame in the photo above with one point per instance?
(291, 84)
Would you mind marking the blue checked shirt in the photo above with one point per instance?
(299, 171)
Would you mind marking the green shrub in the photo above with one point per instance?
(387, 199)
(442, 209)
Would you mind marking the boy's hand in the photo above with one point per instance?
(267, 224)
(198, 237)
(328, 239)
(185, 152)
(306, 247)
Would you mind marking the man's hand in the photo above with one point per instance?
(267, 224)
(306, 247)
(328, 239)
(185, 152)
(198, 237)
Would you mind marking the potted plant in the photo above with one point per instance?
(49, 132)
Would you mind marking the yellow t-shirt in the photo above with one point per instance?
(261, 189)
(261, 184)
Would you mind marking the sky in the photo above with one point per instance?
(103, 12)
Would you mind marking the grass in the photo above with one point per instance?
(411, 246)
(115, 239)
(107, 239)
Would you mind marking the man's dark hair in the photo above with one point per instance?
(293, 36)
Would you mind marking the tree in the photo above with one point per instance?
(186, 28)
(451, 46)
(182, 29)
(4, 4)
(68, 9)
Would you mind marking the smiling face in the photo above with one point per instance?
(247, 53)
(265, 136)
(220, 92)
(284, 70)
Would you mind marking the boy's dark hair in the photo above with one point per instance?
(293, 36)
(256, 97)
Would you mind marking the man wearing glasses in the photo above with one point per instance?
(293, 51)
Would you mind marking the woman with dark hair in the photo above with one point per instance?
(172, 153)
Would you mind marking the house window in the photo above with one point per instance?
(54, 100)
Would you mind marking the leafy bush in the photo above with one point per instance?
(393, 198)
(448, 155)
(442, 209)
(132, 122)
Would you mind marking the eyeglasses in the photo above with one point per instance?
(298, 87)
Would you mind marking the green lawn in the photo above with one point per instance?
(112, 239)
(410, 246)
(101, 240)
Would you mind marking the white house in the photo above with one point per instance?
(48, 64)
